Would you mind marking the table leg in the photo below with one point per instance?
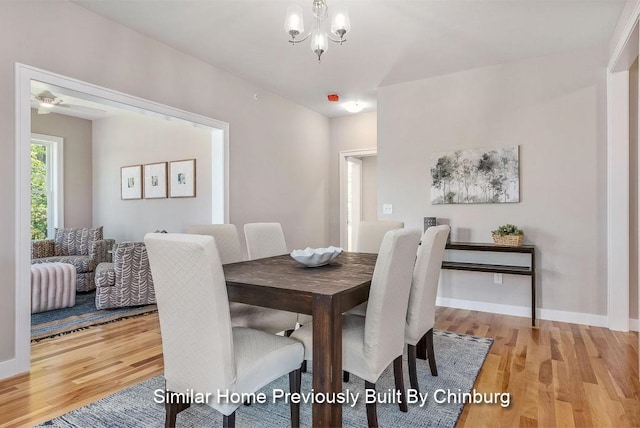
(327, 359)
(533, 289)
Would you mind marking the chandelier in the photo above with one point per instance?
(340, 25)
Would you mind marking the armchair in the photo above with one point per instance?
(82, 247)
(127, 281)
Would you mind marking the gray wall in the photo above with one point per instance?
(76, 133)
(134, 140)
(552, 107)
(279, 151)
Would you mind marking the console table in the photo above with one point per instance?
(495, 268)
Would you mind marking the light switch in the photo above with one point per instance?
(497, 278)
(387, 209)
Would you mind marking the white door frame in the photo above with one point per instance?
(23, 76)
(342, 165)
(623, 56)
(355, 186)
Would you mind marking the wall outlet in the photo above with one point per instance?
(387, 209)
(497, 278)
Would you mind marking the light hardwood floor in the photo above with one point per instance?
(558, 374)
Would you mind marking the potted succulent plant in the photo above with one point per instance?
(508, 234)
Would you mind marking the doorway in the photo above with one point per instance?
(24, 77)
(358, 192)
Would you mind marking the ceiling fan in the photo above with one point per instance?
(46, 101)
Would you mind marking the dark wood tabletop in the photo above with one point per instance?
(283, 276)
(325, 292)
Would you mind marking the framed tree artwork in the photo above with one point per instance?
(182, 178)
(476, 176)
(131, 182)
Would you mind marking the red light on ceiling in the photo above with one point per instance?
(333, 98)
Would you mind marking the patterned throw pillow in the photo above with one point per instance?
(76, 241)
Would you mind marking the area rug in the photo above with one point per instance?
(459, 358)
(79, 317)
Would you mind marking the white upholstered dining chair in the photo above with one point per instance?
(201, 351)
(369, 238)
(227, 240)
(265, 319)
(371, 343)
(264, 240)
(370, 234)
(267, 240)
(421, 311)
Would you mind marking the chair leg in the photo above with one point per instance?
(345, 376)
(372, 413)
(399, 378)
(431, 354)
(172, 408)
(421, 347)
(295, 379)
(303, 368)
(171, 411)
(411, 361)
(229, 421)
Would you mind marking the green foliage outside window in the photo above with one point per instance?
(38, 191)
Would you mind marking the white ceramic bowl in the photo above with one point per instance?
(314, 257)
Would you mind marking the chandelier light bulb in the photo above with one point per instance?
(319, 42)
(294, 22)
(340, 24)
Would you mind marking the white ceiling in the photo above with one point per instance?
(391, 41)
(74, 103)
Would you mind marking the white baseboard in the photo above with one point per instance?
(574, 317)
(10, 368)
(494, 308)
(634, 325)
(523, 311)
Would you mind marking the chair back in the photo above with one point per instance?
(76, 241)
(264, 240)
(389, 297)
(226, 237)
(131, 267)
(421, 312)
(193, 308)
(371, 233)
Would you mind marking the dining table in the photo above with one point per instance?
(325, 292)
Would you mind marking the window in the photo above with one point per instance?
(46, 185)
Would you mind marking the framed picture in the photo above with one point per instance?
(476, 176)
(155, 180)
(182, 178)
(131, 182)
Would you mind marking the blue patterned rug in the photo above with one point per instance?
(79, 317)
(459, 358)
